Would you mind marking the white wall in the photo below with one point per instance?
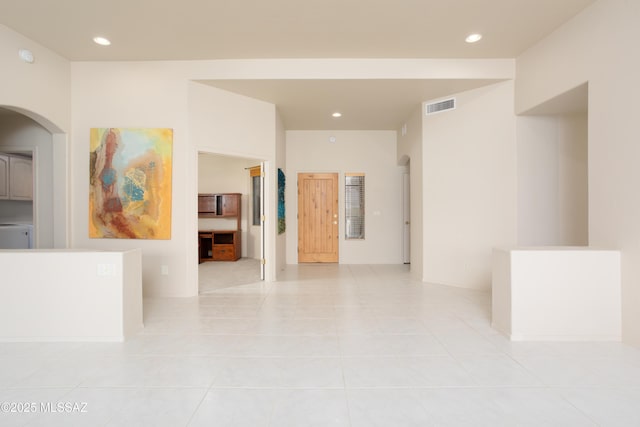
(556, 294)
(223, 174)
(370, 152)
(206, 119)
(97, 297)
(552, 180)
(599, 46)
(41, 91)
(203, 119)
(165, 94)
(144, 95)
(409, 152)
(281, 162)
(574, 179)
(469, 186)
(226, 123)
(19, 131)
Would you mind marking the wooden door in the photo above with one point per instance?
(317, 217)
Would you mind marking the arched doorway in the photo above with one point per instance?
(32, 136)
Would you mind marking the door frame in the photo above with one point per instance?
(332, 219)
(406, 218)
(263, 231)
(268, 227)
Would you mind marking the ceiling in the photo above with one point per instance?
(364, 104)
(215, 29)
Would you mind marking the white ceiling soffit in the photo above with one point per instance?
(364, 104)
(217, 29)
(574, 101)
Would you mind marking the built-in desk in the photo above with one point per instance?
(219, 245)
(557, 293)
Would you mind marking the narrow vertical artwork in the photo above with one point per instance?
(282, 225)
(130, 183)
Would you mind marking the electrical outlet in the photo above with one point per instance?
(106, 269)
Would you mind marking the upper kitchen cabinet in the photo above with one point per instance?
(16, 177)
(4, 176)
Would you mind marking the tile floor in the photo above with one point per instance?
(325, 346)
(216, 275)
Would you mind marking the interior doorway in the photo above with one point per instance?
(30, 147)
(406, 218)
(318, 217)
(220, 174)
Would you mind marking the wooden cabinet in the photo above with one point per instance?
(207, 205)
(16, 178)
(230, 204)
(220, 245)
(218, 205)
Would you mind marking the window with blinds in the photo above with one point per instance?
(354, 205)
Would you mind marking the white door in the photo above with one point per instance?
(406, 214)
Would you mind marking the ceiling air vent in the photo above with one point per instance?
(438, 107)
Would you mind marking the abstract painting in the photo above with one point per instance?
(130, 183)
(282, 225)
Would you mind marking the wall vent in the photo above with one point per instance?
(440, 106)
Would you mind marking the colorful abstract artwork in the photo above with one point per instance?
(282, 224)
(130, 183)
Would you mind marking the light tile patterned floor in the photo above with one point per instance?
(327, 345)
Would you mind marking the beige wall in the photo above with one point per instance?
(143, 95)
(599, 46)
(204, 119)
(234, 125)
(469, 191)
(552, 180)
(166, 94)
(41, 89)
(370, 152)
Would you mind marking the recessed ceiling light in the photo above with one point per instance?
(101, 41)
(472, 38)
(337, 114)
